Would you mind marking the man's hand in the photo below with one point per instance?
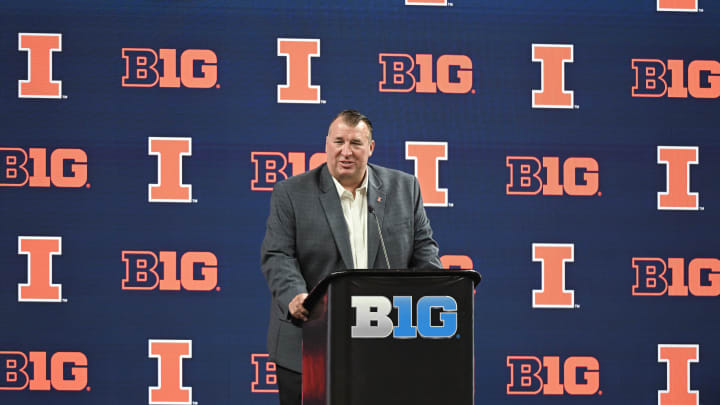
(296, 308)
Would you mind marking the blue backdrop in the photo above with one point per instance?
(227, 109)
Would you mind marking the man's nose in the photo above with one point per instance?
(346, 150)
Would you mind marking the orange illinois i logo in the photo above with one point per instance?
(297, 87)
(170, 355)
(677, 195)
(427, 157)
(170, 187)
(552, 93)
(39, 250)
(678, 5)
(39, 83)
(553, 257)
(678, 359)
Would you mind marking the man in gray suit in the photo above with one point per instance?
(323, 221)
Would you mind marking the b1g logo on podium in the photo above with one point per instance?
(373, 321)
(67, 371)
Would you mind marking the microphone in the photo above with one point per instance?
(382, 242)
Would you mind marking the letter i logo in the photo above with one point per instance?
(552, 93)
(39, 83)
(678, 5)
(297, 87)
(170, 355)
(677, 195)
(39, 250)
(170, 152)
(553, 257)
(427, 157)
(678, 359)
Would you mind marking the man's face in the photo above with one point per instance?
(348, 149)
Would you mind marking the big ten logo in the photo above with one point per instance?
(67, 371)
(40, 48)
(265, 373)
(403, 73)
(677, 195)
(530, 175)
(20, 167)
(552, 59)
(39, 286)
(576, 375)
(678, 5)
(553, 257)
(298, 87)
(652, 77)
(272, 167)
(169, 152)
(678, 359)
(653, 279)
(170, 354)
(426, 2)
(372, 318)
(198, 271)
(146, 68)
(427, 157)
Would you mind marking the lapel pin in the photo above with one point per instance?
(379, 199)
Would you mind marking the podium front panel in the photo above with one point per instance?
(421, 352)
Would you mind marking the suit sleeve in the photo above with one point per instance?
(425, 249)
(278, 259)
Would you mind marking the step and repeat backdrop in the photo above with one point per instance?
(566, 150)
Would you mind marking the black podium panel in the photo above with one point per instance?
(390, 337)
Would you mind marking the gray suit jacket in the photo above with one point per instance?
(307, 238)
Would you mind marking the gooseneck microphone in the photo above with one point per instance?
(382, 242)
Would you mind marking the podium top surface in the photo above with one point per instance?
(319, 289)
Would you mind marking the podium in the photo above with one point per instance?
(378, 337)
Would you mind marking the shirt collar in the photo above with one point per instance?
(363, 187)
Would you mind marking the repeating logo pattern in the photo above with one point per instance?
(73, 145)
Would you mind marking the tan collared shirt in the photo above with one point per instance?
(355, 212)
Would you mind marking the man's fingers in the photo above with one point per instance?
(297, 310)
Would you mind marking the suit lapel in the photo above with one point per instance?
(376, 199)
(333, 212)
